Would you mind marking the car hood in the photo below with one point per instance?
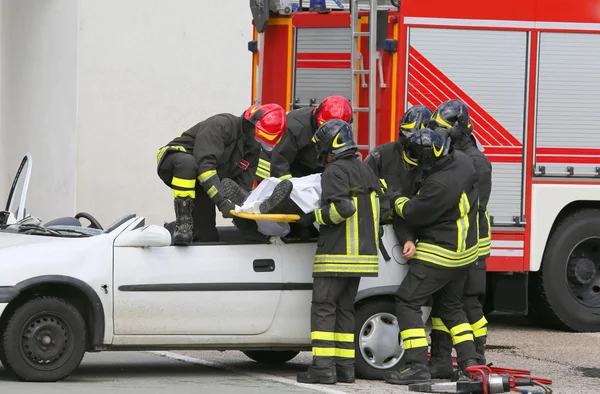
(8, 240)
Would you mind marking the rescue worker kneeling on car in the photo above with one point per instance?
(397, 175)
(444, 216)
(452, 117)
(221, 146)
(347, 249)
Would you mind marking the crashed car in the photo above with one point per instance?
(67, 289)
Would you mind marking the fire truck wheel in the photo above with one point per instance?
(376, 339)
(565, 293)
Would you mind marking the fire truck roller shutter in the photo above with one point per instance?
(486, 69)
(565, 292)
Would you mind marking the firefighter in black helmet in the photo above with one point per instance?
(396, 174)
(444, 215)
(452, 116)
(347, 249)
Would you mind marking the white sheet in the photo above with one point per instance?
(306, 194)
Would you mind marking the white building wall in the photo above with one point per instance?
(145, 71)
(39, 105)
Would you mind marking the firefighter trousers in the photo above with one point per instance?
(179, 171)
(446, 285)
(332, 322)
(474, 293)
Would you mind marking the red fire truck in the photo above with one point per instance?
(529, 70)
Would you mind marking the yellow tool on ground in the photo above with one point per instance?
(272, 217)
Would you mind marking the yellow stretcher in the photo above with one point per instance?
(273, 217)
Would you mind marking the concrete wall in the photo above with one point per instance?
(39, 105)
(93, 88)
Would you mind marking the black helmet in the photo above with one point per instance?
(425, 147)
(452, 115)
(335, 137)
(414, 119)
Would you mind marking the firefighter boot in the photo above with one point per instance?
(411, 373)
(480, 343)
(184, 224)
(440, 363)
(460, 373)
(320, 376)
(234, 192)
(345, 374)
(277, 200)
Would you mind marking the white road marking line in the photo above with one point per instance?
(257, 375)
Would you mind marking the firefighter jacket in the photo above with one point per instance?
(444, 213)
(397, 176)
(483, 166)
(295, 155)
(222, 146)
(263, 171)
(349, 219)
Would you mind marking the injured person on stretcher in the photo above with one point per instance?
(298, 196)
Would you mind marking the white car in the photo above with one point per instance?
(67, 290)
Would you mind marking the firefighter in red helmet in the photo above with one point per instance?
(221, 146)
(296, 156)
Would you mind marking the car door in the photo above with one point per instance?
(200, 289)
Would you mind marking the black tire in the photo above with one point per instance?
(60, 329)
(271, 356)
(551, 300)
(363, 369)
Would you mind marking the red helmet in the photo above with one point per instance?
(333, 107)
(270, 123)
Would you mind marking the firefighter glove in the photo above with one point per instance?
(307, 220)
(225, 206)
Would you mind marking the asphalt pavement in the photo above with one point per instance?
(571, 360)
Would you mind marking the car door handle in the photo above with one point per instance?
(264, 265)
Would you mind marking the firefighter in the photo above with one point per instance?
(221, 146)
(444, 215)
(453, 117)
(295, 156)
(397, 175)
(346, 251)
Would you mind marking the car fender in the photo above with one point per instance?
(9, 293)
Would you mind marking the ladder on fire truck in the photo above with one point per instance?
(356, 60)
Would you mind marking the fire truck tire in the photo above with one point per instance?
(555, 290)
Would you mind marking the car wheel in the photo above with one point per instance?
(271, 356)
(376, 339)
(44, 340)
(565, 292)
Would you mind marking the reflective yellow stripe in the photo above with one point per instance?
(161, 152)
(479, 323)
(184, 193)
(352, 245)
(212, 191)
(340, 258)
(322, 336)
(375, 208)
(265, 164)
(206, 175)
(344, 353)
(489, 226)
(464, 327)
(340, 337)
(424, 252)
(319, 216)
(415, 343)
(358, 268)
(384, 183)
(438, 324)
(413, 333)
(480, 332)
(285, 176)
(187, 183)
(400, 205)
(463, 223)
(262, 173)
(323, 351)
(334, 216)
(461, 338)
